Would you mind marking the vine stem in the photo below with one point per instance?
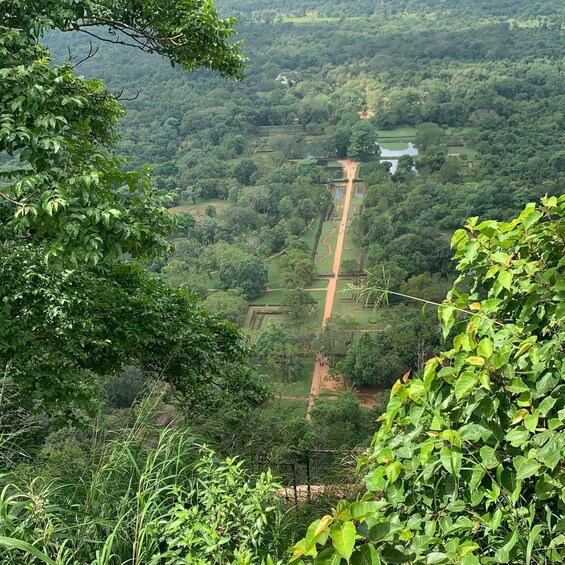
(422, 300)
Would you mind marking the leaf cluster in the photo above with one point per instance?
(466, 466)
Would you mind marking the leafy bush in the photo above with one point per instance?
(466, 466)
(153, 500)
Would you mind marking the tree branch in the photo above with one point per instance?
(12, 201)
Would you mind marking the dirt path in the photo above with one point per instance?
(322, 367)
(328, 245)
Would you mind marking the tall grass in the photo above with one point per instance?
(150, 497)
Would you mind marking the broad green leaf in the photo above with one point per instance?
(393, 470)
(380, 531)
(517, 437)
(436, 557)
(430, 372)
(447, 314)
(465, 384)
(451, 459)
(551, 453)
(503, 554)
(475, 361)
(560, 310)
(365, 555)
(416, 390)
(361, 509)
(523, 349)
(328, 557)
(12, 543)
(520, 415)
(395, 388)
(343, 538)
(484, 379)
(505, 279)
(488, 457)
(470, 560)
(391, 555)
(458, 237)
(472, 249)
(452, 437)
(299, 549)
(532, 537)
(546, 405)
(323, 524)
(485, 348)
(525, 467)
(532, 218)
(531, 422)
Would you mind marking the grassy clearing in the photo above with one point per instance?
(325, 264)
(469, 153)
(271, 297)
(319, 283)
(290, 408)
(393, 145)
(405, 132)
(198, 210)
(274, 267)
(300, 386)
(320, 296)
(365, 317)
(309, 236)
(350, 250)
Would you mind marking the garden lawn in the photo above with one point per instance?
(299, 387)
(198, 210)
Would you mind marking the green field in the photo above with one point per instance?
(469, 153)
(198, 210)
(320, 296)
(319, 283)
(309, 236)
(290, 408)
(271, 301)
(300, 386)
(324, 262)
(398, 133)
(393, 145)
(272, 297)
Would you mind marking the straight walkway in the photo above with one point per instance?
(321, 367)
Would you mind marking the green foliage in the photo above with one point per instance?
(164, 498)
(466, 465)
(363, 143)
(188, 33)
(231, 304)
(65, 190)
(298, 303)
(380, 358)
(427, 135)
(283, 349)
(297, 268)
(71, 211)
(370, 360)
(247, 273)
(60, 334)
(336, 336)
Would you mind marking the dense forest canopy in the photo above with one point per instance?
(169, 238)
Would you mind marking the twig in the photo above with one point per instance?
(11, 200)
